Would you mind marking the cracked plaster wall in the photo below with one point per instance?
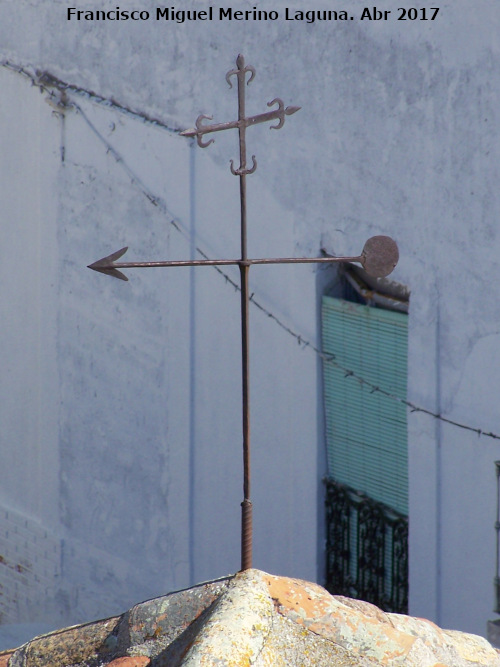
(137, 421)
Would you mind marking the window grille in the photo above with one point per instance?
(367, 549)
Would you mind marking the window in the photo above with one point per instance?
(366, 434)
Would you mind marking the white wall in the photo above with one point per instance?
(29, 405)
(122, 399)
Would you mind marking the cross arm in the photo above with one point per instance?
(278, 114)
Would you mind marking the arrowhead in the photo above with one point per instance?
(106, 264)
(192, 132)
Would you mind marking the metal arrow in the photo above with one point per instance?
(379, 257)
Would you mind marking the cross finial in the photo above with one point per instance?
(379, 257)
(243, 121)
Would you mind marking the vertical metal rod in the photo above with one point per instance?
(246, 505)
(497, 529)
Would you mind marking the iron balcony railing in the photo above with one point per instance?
(367, 549)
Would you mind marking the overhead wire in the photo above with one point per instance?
(48, 83)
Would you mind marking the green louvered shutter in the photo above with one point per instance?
(366, 431)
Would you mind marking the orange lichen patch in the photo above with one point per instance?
(357, 626)
(138, 661)
(307, 599)
(4, 659)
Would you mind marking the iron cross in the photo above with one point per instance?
(378, 257)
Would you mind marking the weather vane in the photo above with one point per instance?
(378, 257)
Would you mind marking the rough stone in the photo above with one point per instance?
(255, 619)
(71, 646)
(138, 661)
